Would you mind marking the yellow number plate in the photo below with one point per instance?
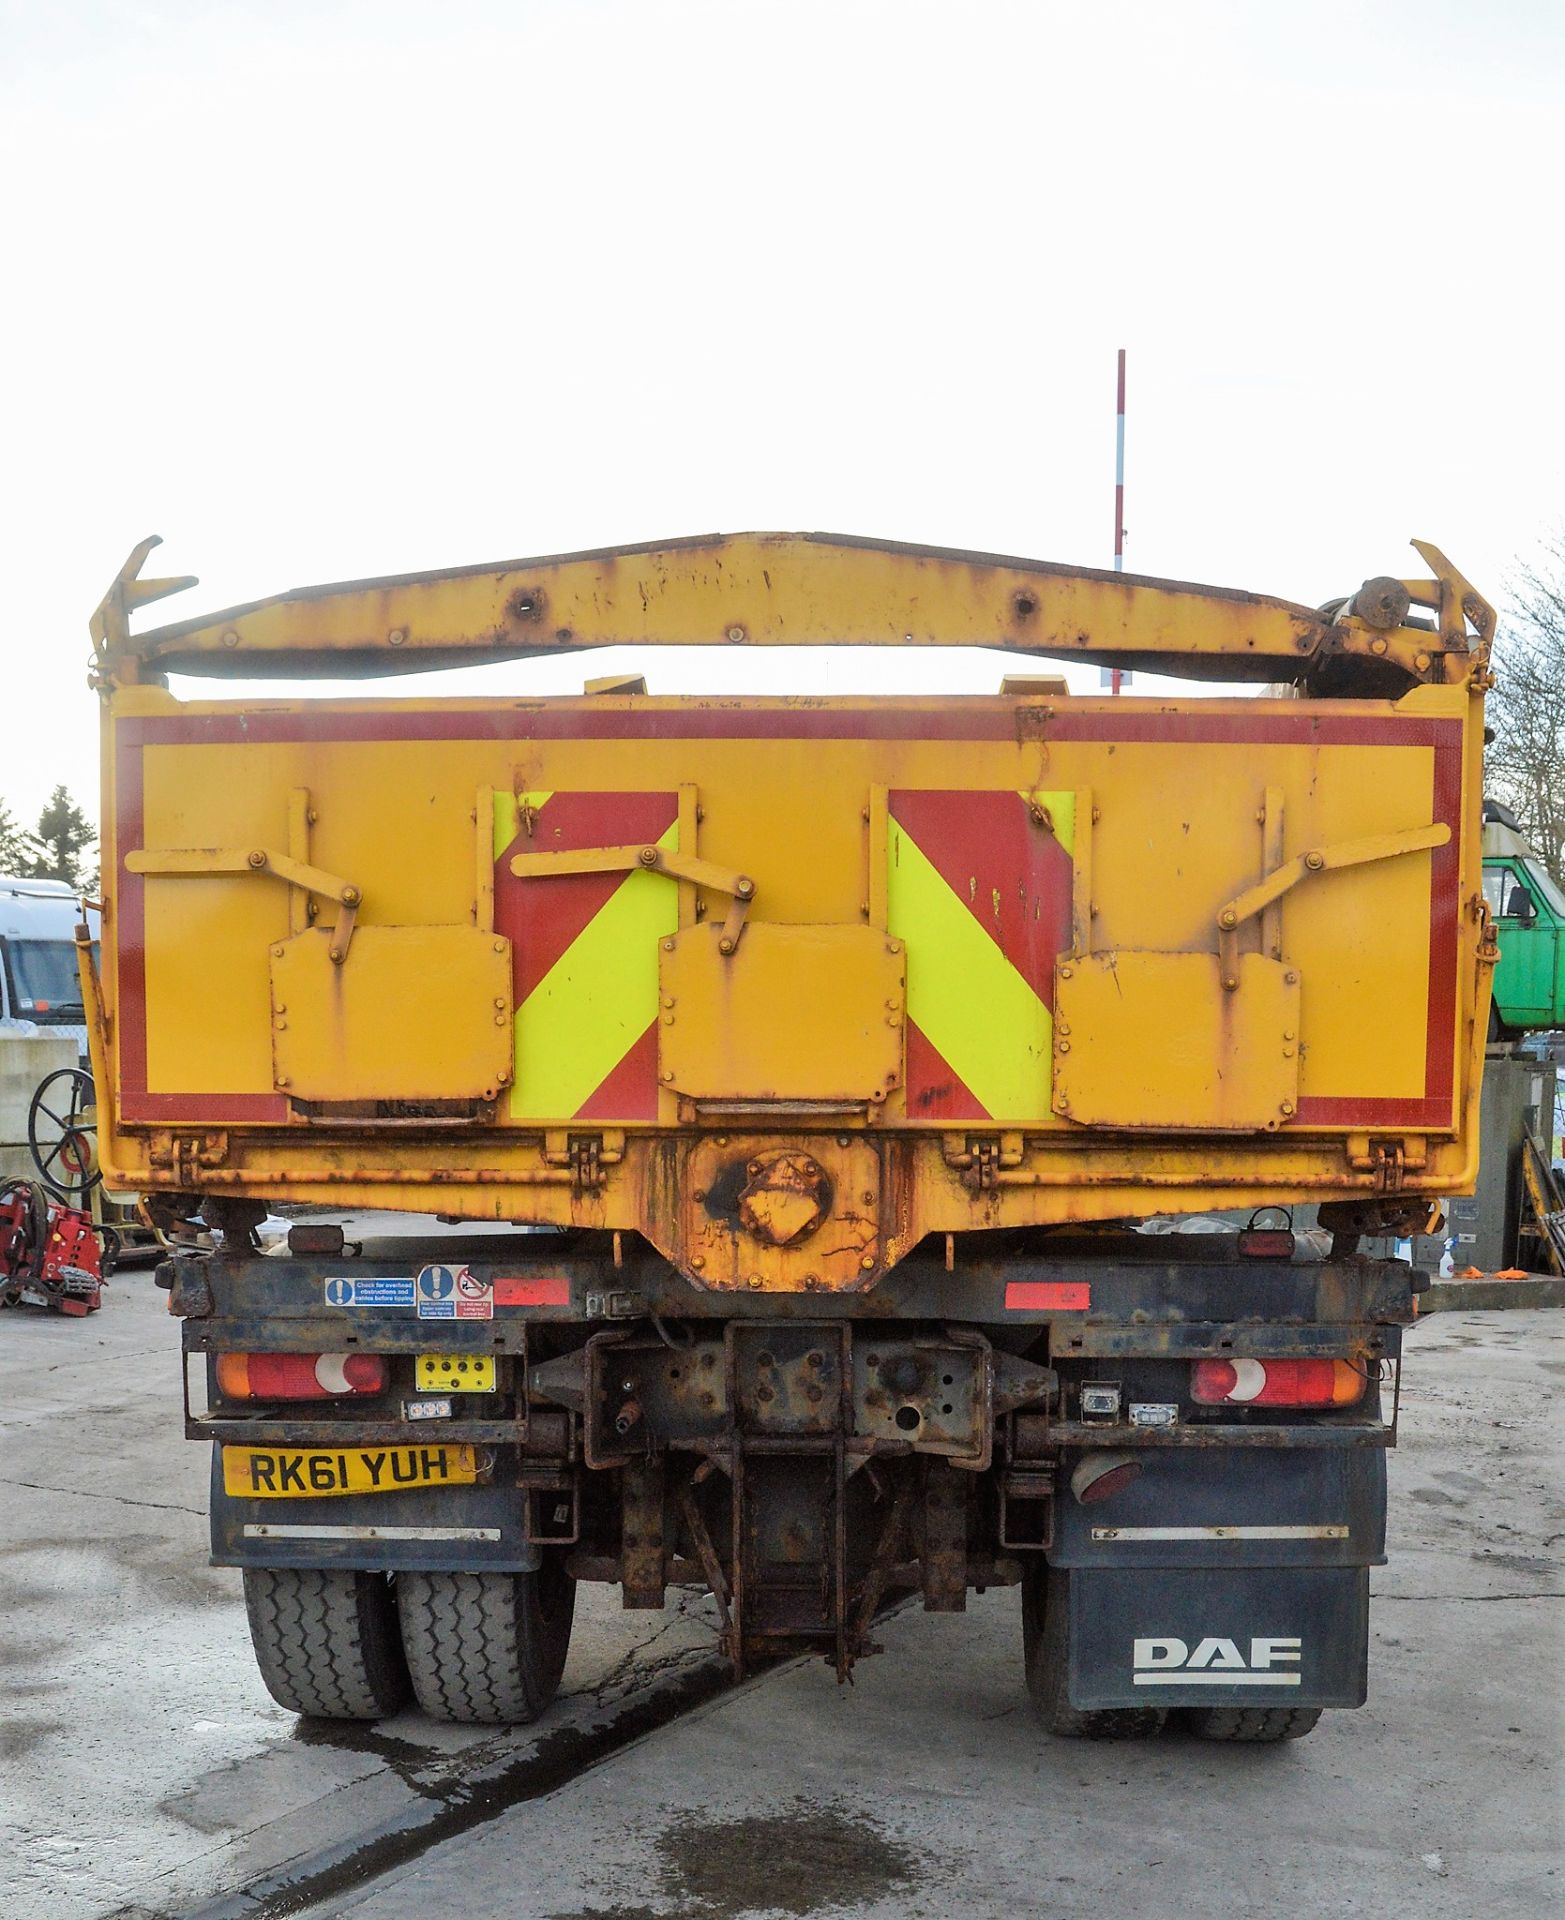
(310, 1473)
(455, 1373)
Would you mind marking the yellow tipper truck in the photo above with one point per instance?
(839, 1046)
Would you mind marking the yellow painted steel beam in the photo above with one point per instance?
(789, 589)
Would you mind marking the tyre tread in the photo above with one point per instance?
(1046, 1652)
(1254, 1725)
(325, 1641)
(476, 1649)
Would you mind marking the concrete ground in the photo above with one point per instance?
(145, 1772)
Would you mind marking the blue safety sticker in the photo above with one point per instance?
(361, 1292)
(437, 1294)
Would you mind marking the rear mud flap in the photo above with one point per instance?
(417, 1530)
(1219, 1636)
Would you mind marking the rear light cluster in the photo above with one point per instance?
(299, 1376)
(1277, 1383)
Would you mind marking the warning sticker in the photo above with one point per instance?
(474, 1297)
(437, 1294)
(454, 1293)
(362, 1292)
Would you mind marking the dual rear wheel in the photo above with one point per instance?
(478, 1648)
(1046, 1651)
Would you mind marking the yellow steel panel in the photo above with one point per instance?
(206, 1023)
(964, 994)
(1177, 832)
(796, 1014)
(1360, 937)
(596, 1001)
(1151, 1040)
(414, 1013)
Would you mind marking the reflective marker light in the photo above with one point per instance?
(1098, 1476)
(1276, 1383)
(299, 1376)
(1262, 1243)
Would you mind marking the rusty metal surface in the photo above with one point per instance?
(753, 1213)
(779, 588)
(643, 1533)
(943, 1549)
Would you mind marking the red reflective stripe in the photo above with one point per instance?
(965, 718)
(628, 1091)
(1062, 1296)
(935, 1090)
(532, 1293)
(1011, 874)
(543, 917)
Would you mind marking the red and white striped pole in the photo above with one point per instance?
(1119, 494)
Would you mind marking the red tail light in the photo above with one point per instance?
(1277, 1383)
(299, 1376)
(1264, 1243)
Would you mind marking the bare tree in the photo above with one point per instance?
(1525, 765)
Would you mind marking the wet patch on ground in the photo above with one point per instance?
(802, 1860)
(18, 1737)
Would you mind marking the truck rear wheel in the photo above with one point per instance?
(1046, 1650)
(487, 1648)
(1257, 1725)
(326, 1641)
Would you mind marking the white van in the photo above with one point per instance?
(39, 989)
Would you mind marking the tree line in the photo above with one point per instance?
(1525, 762)
(61, 846)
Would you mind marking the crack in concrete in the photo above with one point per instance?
(119, 1499)
(1457, 1599)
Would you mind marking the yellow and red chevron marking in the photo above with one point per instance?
(980, 890)
(584, 954)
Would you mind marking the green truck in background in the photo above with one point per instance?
(1529, 913)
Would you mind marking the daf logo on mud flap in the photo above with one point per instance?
(1216, 1662)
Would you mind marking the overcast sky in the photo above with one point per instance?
(321, 291)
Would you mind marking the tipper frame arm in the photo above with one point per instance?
(790, 589)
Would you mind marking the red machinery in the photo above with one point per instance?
(50, 1254)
